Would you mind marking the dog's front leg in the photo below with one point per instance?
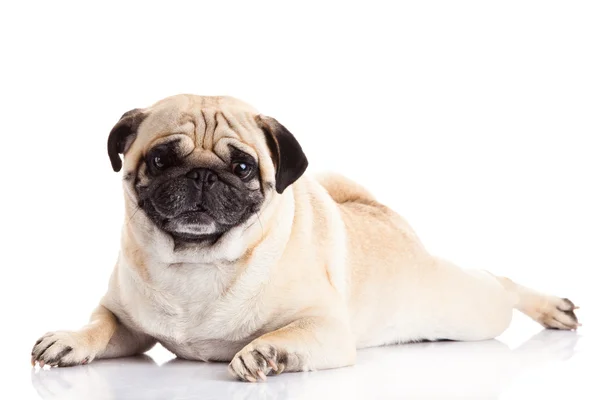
(102, 337)
(305, 344)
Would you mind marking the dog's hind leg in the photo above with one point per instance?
(550, 311)
(466, 305)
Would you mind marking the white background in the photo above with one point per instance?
(477, 121)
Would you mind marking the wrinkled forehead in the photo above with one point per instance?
(206, 121)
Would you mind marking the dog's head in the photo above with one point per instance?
(200, 166)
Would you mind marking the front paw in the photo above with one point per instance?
(257, 360)
(62, 349)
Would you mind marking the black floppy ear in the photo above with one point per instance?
(288, 157)
(122, 135)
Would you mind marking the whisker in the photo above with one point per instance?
(260, 222)
(138, 208)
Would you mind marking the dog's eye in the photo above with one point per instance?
(158, 162)
(241, 169)
(160, 159)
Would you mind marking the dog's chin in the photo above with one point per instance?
(194, 227)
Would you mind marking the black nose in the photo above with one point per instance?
(202, 177)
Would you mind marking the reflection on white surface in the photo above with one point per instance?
(443, 369)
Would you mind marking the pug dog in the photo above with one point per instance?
(230, 252)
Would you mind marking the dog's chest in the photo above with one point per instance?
(192, 312)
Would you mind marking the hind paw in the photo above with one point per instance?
(558, 313)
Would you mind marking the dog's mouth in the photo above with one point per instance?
(183, 238)
(192, 225)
